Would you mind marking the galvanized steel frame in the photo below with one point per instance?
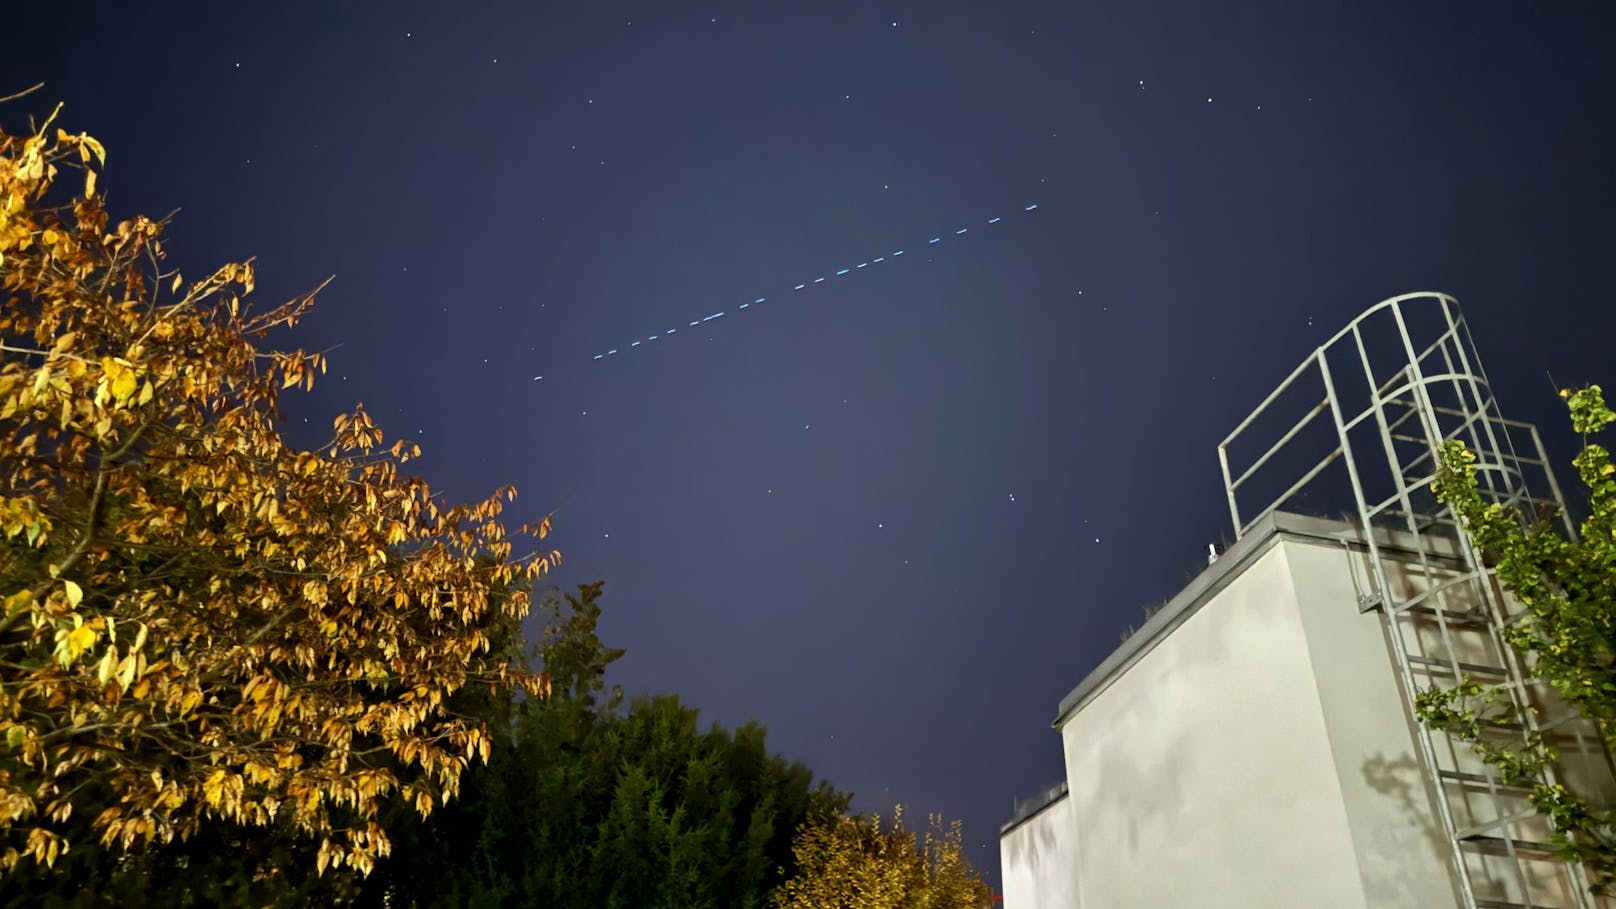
(1403, 411)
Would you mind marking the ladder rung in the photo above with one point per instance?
(1473, 668)
(1561, 720)
(1457, 776)
(1475, 618)
(1505, 904)
(1547, 727)
(1497, 845)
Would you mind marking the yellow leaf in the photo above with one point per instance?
(75, 594)
(79, 640)
(126, 675)
(89, 183)
(213, 787)
(19, 601)
(124, 385)
(108, 665)
(89, 142)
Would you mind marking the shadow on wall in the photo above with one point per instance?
(1402, 779)
(1040, 845)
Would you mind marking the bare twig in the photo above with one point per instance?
(24, 93)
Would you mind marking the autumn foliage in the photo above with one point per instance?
(202, 624)
(853, 863)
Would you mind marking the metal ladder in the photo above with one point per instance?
(1443, 614)
(1442, 610)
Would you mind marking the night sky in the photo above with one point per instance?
(895, 515)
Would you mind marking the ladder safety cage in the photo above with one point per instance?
(1377, 401)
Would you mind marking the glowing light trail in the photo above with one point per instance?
(875, 261)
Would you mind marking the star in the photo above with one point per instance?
(880, 526)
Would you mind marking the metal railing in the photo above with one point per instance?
(1381, 397)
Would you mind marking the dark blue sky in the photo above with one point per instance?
(898, 515)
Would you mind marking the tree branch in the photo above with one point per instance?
(97, 499)
(24, 93)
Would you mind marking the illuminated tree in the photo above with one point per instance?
(1567, 636)
(852, 863)
(200, 624)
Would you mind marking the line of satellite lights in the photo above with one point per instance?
(805, 284)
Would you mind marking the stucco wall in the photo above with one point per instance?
(1038, 860)
(1202, 775)
(1402, 853)
(1251, 747)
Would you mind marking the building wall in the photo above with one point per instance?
(1037, 860)
(1250, 747)
(1402, 853)
(1203, 774)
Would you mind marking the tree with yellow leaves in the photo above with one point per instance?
(200, 624)
(852, 863)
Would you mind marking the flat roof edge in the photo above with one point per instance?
(1262, 536)
(1031, 808)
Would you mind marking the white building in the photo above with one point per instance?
(1252, 745)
